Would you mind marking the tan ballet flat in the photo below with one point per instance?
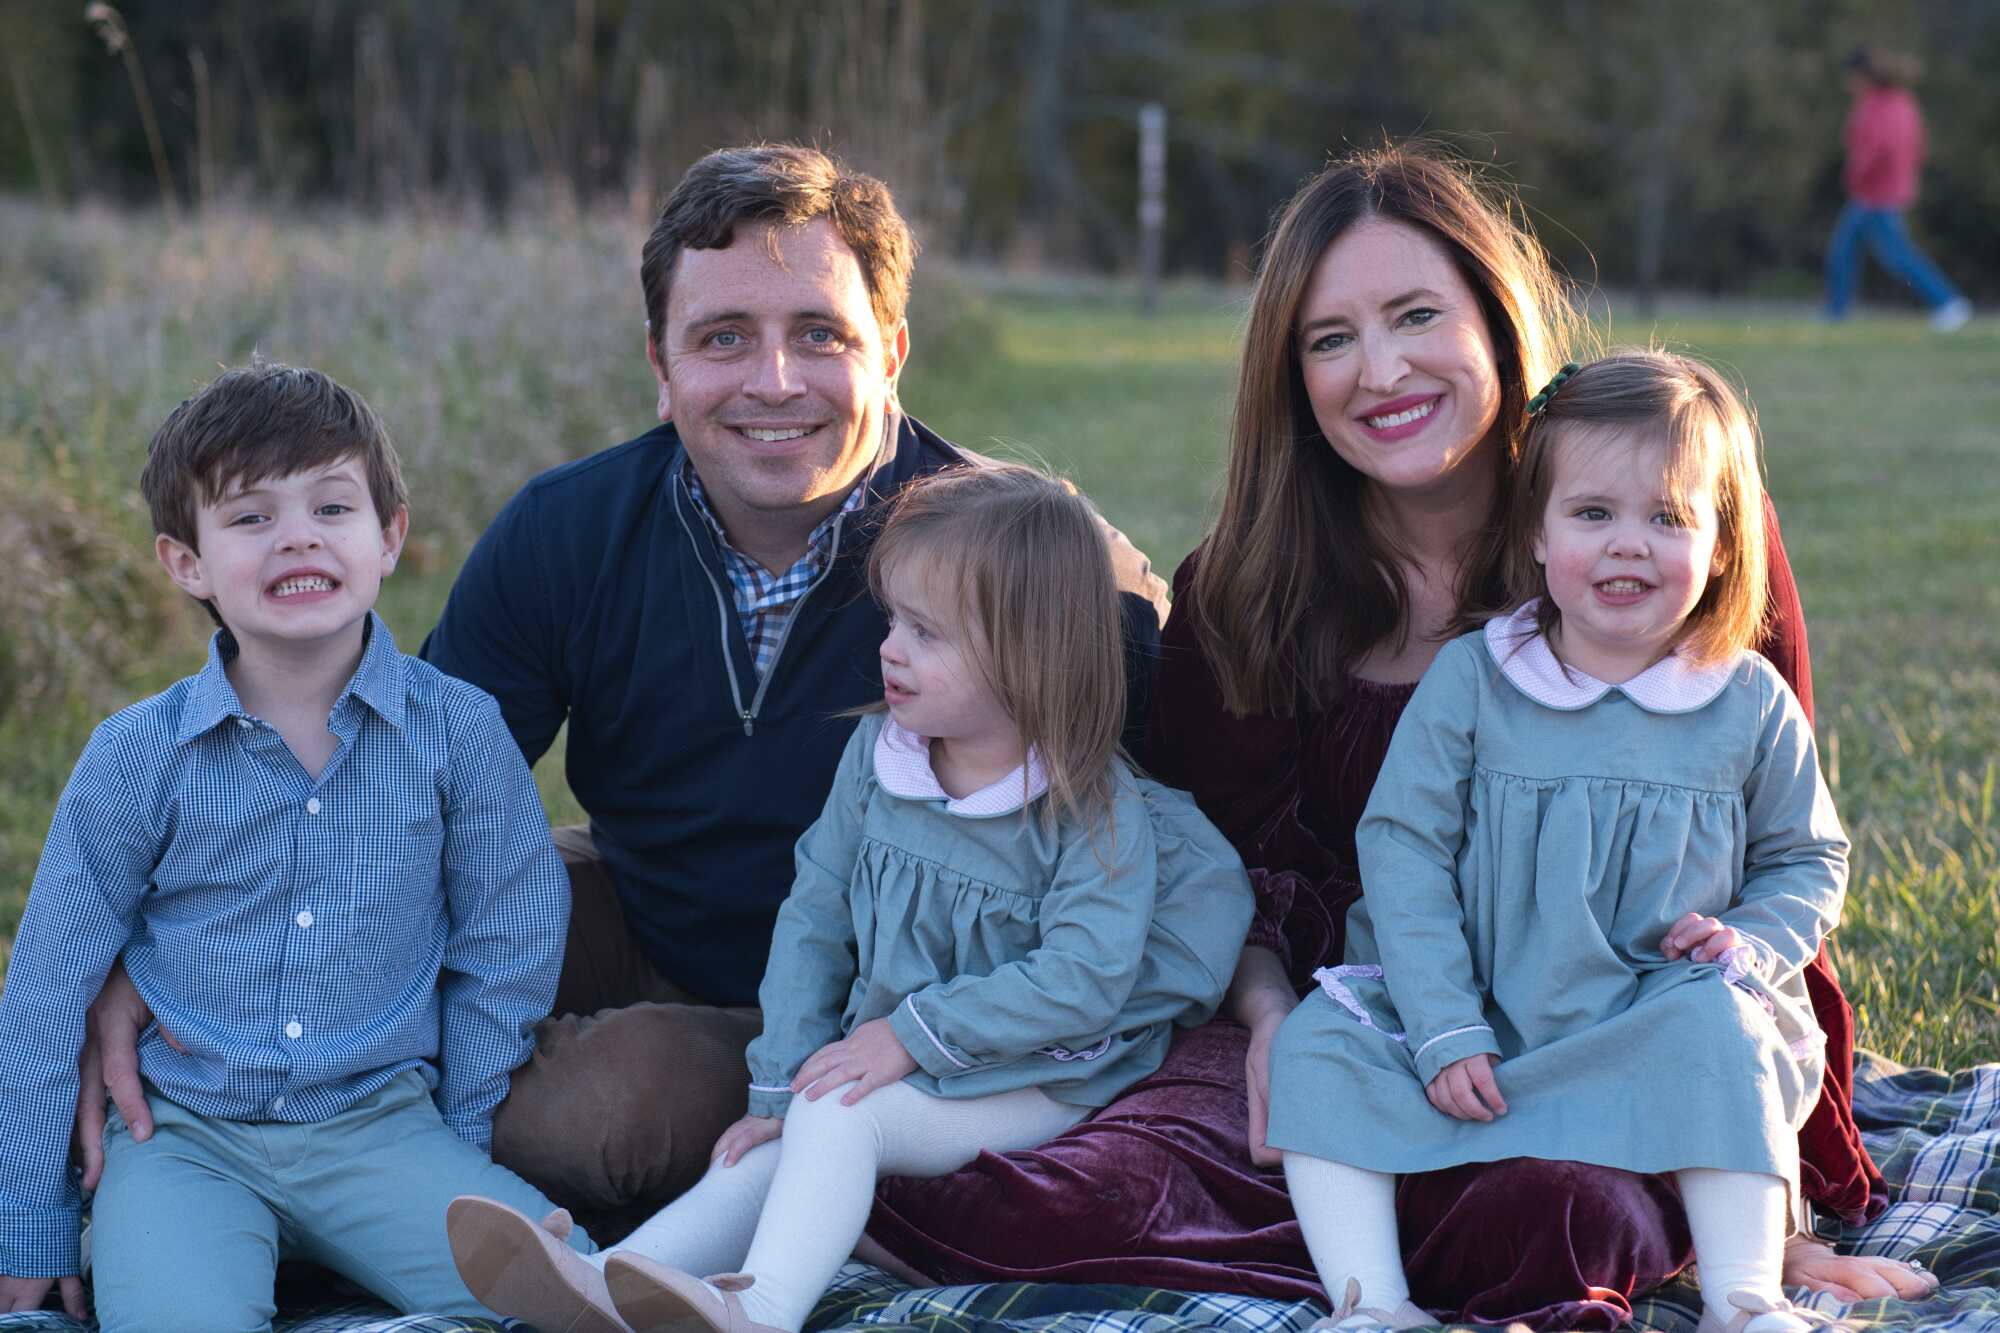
(1352, 1314)
(1752, 1307)
(514, 1267)
(654, 1298)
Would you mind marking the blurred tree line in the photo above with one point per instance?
(1681, 143)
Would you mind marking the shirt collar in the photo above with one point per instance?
(377, 682)
(862, 493)
(1670, 685)
(903, 767)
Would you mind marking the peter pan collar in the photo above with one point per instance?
(903, 767)
(1670, 685)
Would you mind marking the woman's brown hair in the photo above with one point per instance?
(1293, 586)
(1642, 397)
(1022, 559)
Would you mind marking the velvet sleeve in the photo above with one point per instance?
(1243, 771)
(1783, 642)
(1834, 1167)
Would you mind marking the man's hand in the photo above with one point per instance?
(744, 1135)
(28, 1293)
(870, 1057)
(1466, 1089)
(1702, 938)
(110, 1061)
(1134, 572)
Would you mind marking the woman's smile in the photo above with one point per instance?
(1396, 357)
(1403, 417)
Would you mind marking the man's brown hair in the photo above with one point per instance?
(780, 184)
(257, 422)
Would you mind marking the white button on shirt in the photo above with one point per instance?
(183, 820)
(305, 920)
(312, 805)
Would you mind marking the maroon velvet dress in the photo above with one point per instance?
(1158, 1188)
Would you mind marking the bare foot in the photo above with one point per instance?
(1854, 1277)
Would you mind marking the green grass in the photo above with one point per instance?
(495, 354)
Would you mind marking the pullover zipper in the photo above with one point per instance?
(724, 607)
(726, 613)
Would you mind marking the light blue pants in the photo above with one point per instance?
(1884, 232)
(188, 1227)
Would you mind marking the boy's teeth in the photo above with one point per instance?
(776, 436)
(1417, 413)
(293, 587)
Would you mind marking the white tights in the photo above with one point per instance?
(1348, 1216)
(790, 1211)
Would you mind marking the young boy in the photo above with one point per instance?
(327, 871)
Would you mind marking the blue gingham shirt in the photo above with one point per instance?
(306, 939)
(764, 600)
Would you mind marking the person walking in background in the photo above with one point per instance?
(1885, 151)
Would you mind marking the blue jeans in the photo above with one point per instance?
(1884, 232)
(189, 1225)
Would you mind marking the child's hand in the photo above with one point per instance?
(27, 1293)
(870, 1057)
(1702, 938)
(744, 1135)
(1466, 1089)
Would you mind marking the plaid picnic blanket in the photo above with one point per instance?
(1936, 1137)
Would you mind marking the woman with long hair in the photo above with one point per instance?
(1402, 318)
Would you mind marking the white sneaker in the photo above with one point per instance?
(1952, 315)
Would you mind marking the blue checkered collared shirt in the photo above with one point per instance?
(764, 600)
(306, 939)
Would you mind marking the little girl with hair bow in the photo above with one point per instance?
(1598, 857)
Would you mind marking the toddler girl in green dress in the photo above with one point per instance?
(1597, 859)
(995, 927)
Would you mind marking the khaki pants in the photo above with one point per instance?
(632, 1080)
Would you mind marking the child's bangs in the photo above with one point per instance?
(928, 551)
(1687, 440)
(240, 465)
(1695, 442)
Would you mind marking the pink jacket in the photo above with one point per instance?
(1885, 148)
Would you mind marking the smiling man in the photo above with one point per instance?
(693, 604)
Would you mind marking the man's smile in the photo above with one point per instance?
(775, 434)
